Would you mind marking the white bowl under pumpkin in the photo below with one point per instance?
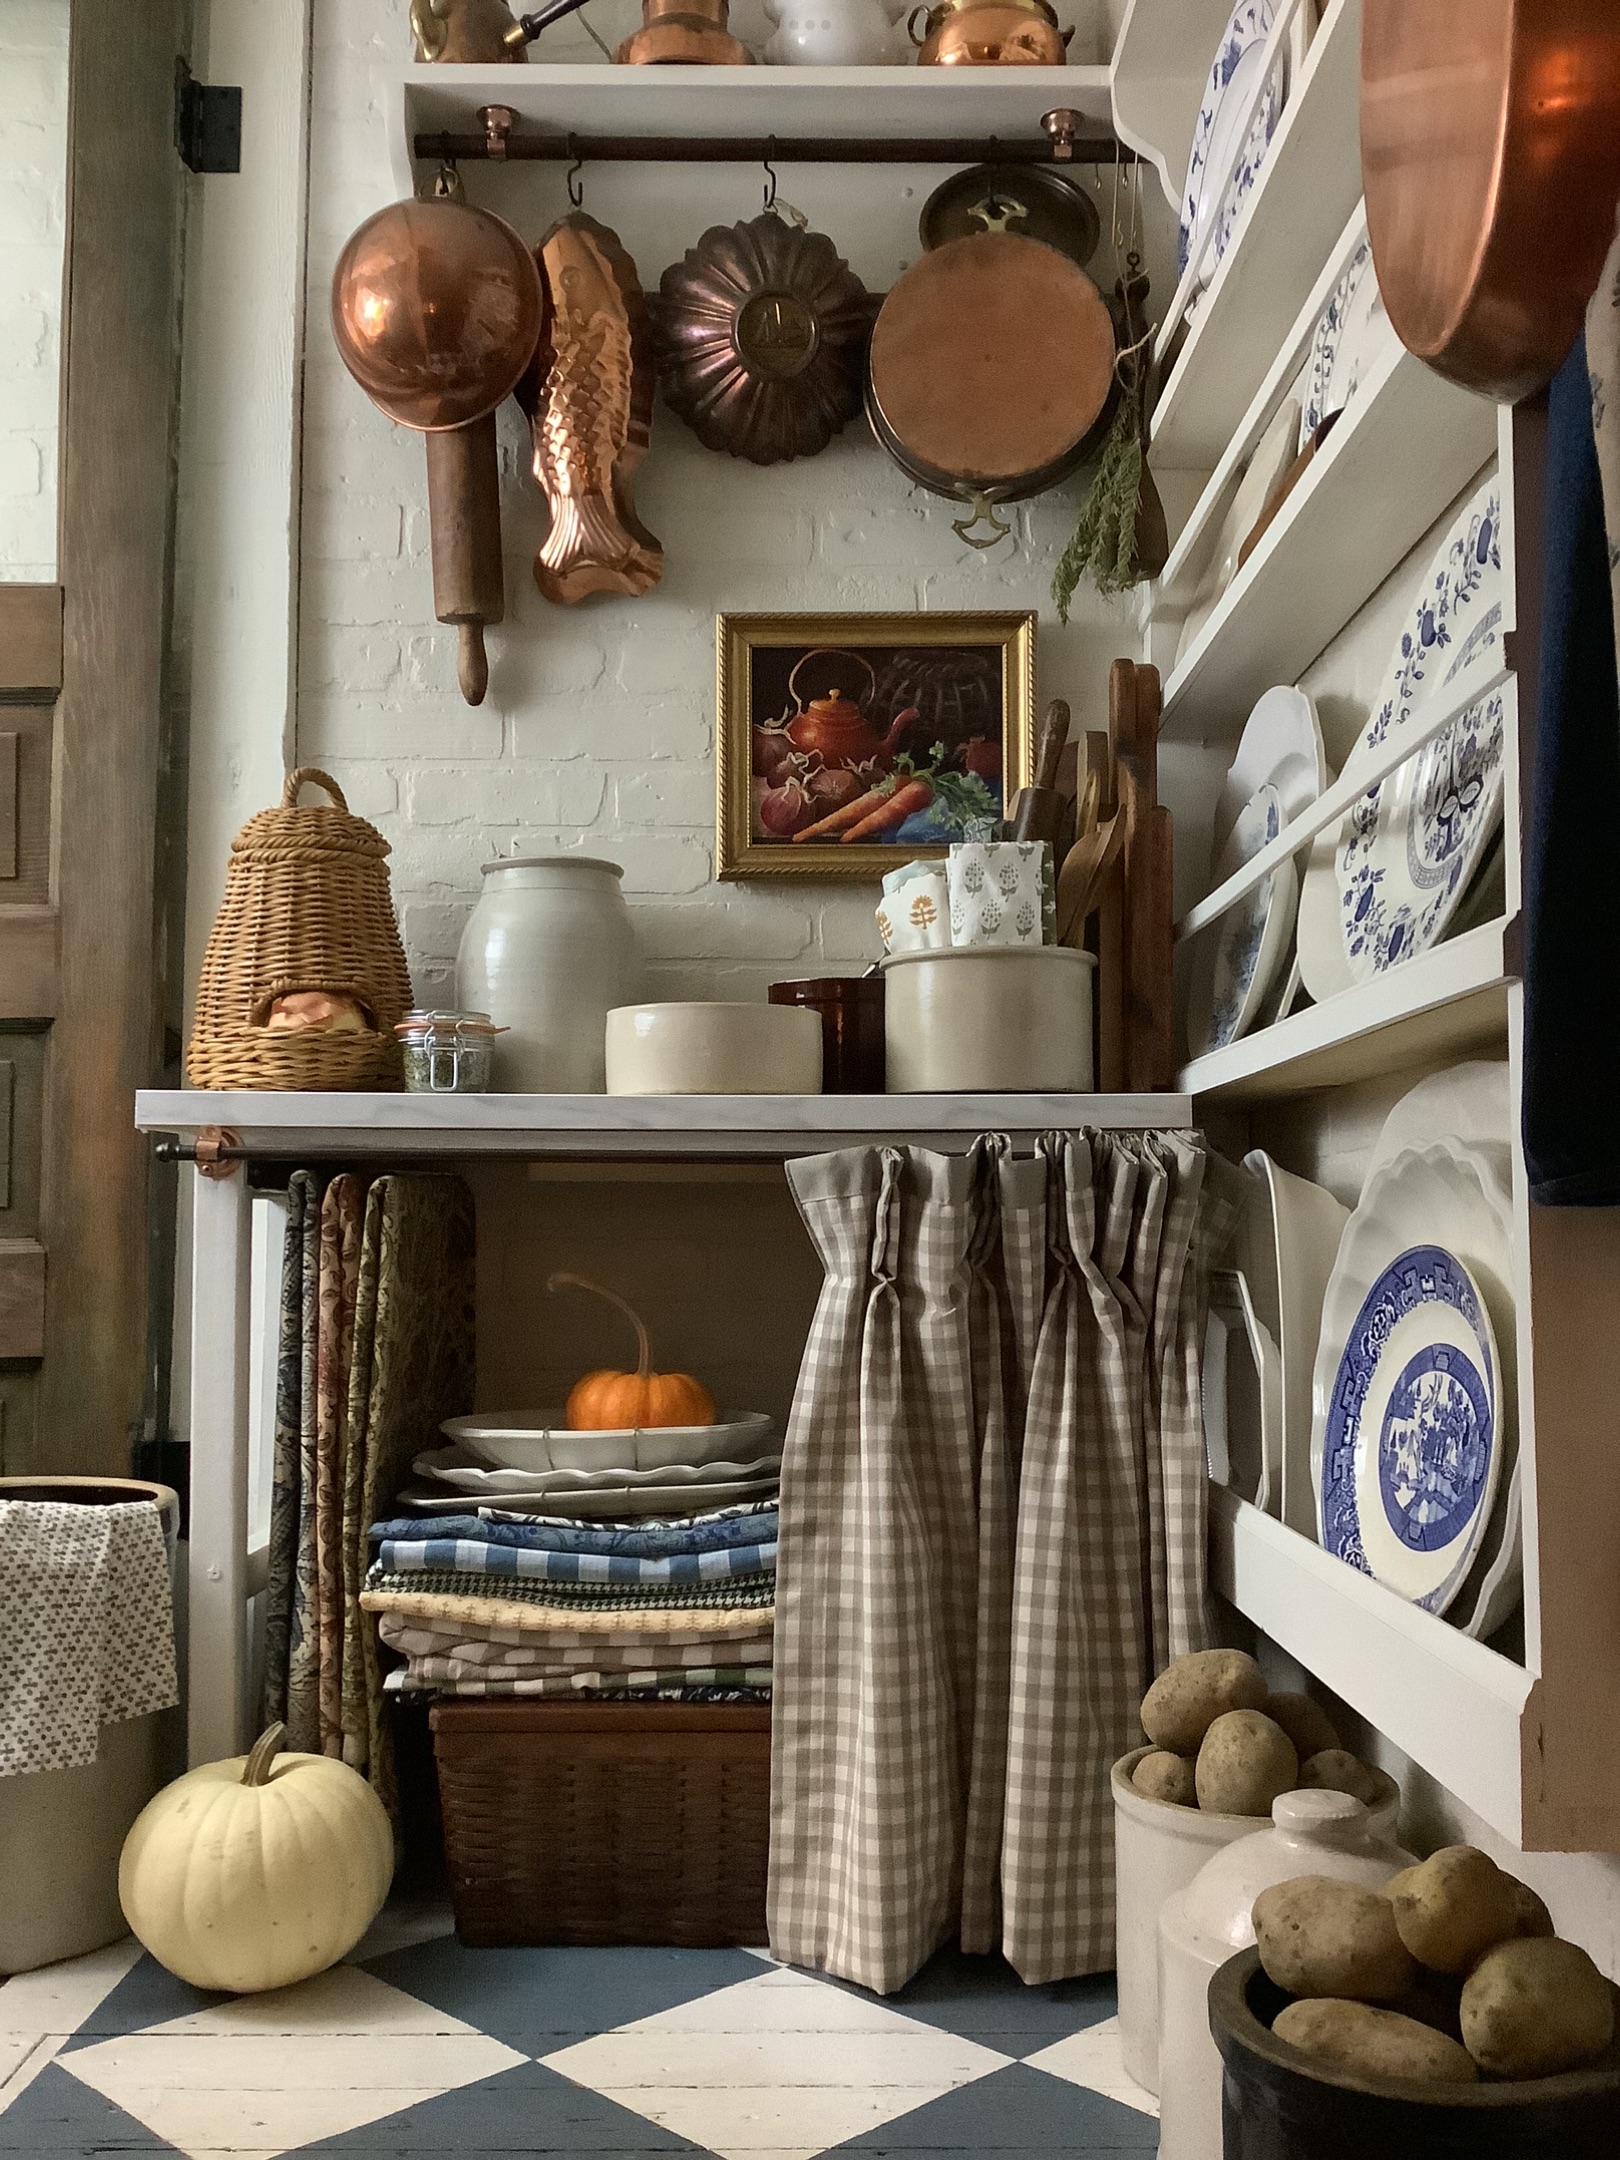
(259, 1871)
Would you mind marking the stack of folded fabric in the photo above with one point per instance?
(497, 1603)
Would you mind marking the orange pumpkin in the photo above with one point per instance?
(606, 1401)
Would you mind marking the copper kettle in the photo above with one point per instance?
(835, 728)
(989, 33)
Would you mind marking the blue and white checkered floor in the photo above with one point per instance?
(417, 2046)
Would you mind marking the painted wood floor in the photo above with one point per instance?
(418, 2046)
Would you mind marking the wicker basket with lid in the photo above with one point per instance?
(307, 906)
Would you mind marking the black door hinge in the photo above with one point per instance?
(207, 123)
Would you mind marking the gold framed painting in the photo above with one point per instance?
(848, 743)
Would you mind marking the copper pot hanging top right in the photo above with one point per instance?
(1490, 156)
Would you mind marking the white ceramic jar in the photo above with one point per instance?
(1311, 1833)
(548, 950)
(1158, 1850)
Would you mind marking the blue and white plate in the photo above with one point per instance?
(1238, 959)
(1352, 331)
(1412, 1417)
(1388, 884)
(1234, 79)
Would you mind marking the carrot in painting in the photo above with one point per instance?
(851, 814)
(915, 795)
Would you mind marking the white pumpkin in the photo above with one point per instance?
(254, 1873)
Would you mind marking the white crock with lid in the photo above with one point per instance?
(1311, 1833)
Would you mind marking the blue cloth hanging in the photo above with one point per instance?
(1572, 892)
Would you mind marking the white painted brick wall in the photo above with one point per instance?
(598, 732)
(33, 223)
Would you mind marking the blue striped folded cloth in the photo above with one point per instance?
(475, 1555)
(740, 1526)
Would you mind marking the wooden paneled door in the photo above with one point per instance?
(82, 753)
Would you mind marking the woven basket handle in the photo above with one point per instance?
(313, 774)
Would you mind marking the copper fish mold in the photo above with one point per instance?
(589, 400)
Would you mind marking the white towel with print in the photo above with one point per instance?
(86, 1628)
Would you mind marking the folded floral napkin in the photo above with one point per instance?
(1001, 892)
(914, 914)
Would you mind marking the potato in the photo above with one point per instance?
(1336, 1771)
(1453, 1906)
(1318, 1936)
(1376, 2043)
(1164, 1776)
(1534, 2007)
(1188, 1696)
(1305, 1722)
(1532, 1917)
(1244, 1763)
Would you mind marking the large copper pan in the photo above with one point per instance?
(437, 308)
(1490, 152)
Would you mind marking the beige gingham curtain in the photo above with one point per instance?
(992, 1536)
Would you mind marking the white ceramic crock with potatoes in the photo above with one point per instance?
(989, 1019)
(714, 1048)
(1158, 1849)
(548, 951)
(1311, 1833)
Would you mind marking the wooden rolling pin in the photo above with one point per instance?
(464, 515)
(1040, 809)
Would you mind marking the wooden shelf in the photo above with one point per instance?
(1457, 1708)
(1161, 64)
(1406, 448)
(786, 101)
(1449, 1000)
(628, 1126)
(1308, 186)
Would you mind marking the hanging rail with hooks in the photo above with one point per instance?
(502, 141)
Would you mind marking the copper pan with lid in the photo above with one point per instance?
(992, 373)
(1490, 154)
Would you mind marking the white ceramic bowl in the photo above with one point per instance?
(537, 1441)
(988, 1017)
(713, 1049)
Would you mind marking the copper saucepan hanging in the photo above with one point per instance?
(992, 373)
(1490, 154)
(437, 308)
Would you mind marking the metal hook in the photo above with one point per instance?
(770, 172)
(576, 187)
(447, 181)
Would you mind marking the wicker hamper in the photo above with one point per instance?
(307, 906)
(605, 1822)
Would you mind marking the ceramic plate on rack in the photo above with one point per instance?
(1242, 1394)
(537, 1441)
(1271, 458)
(1305, 1224)
(1413, 1405)
(1469, 1103)
(1280, 747)
(1236, 961)
(1353, 330)
(1229, 95)
(1389, 882)
(450, 1466)
(611, 1504)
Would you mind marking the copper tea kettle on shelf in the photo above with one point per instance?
(673, 33)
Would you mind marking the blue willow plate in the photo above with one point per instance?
(1410, 1454)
